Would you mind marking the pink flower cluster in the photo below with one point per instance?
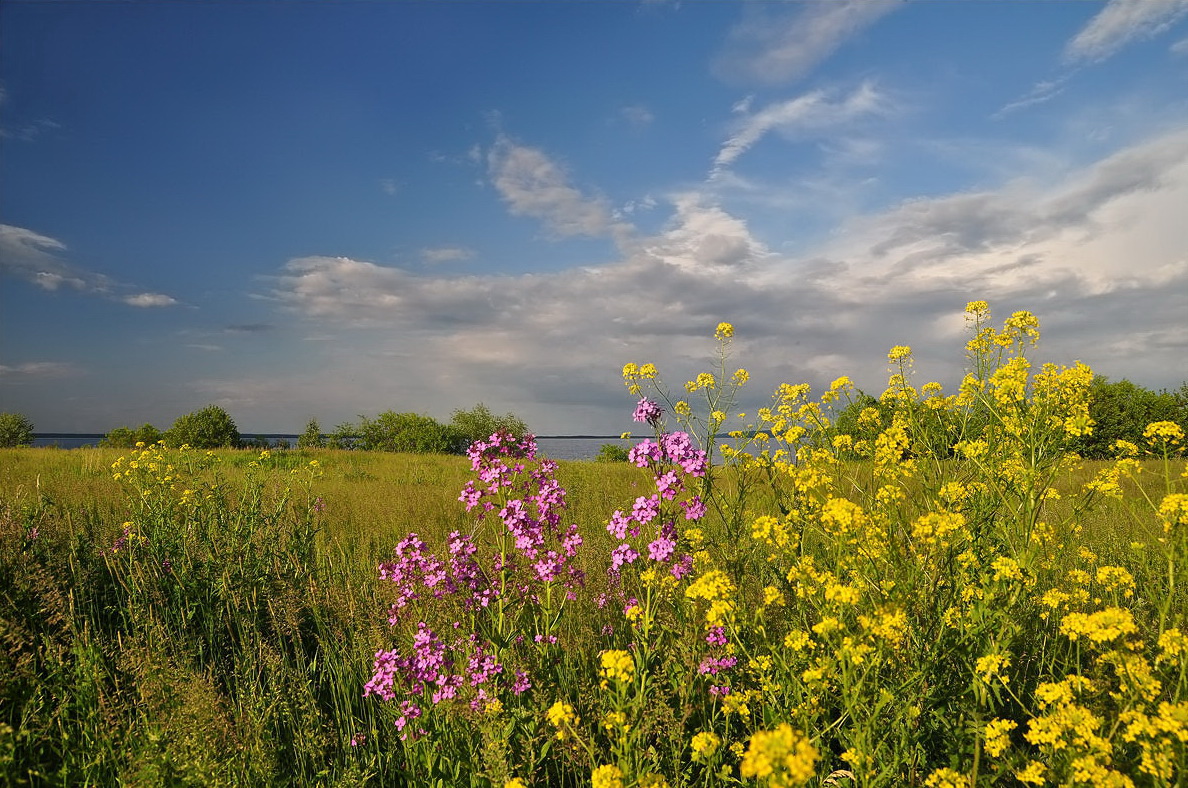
(648, 411)
(529, 502)
(526, 500)
(672, 458)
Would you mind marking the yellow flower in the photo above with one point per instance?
(648, 371)
(1100, 627)
(783, 754)
(998, 736)
(608, 776)
(1172, 644)
(724, 331)
(704, 745)
(1173, 510)
(618, 665)
(741, 376)
(992, 665)
(899, 352)
(946, 778)
(1033, 774)
(515, 782)
(562, 715)
(1164, 432)
(614, 721)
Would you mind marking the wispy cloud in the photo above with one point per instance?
(39, 370)
(811, 113)
(1122, 22)
(446, 254)
(35, 258)
(1044, 90)
(775, 47)
(638, 116)
(533, 184)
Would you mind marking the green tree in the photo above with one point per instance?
(407, 432)
(1122, 410)
(345, 436)
(479, 423)
(127, 437)
(312, 438)
(209, 428)
(15, 430)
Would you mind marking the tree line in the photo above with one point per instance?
(212, 428)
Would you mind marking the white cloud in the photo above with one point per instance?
(1044, 90)
(775, 48)
(149, 300)
(1122, 22)
(446, 254)
(34, 258)
(389, 185)
(812, 113)
(1180, 47)
(532, 184)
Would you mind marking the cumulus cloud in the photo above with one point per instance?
(811, 113)
(1122, 22)
(36, 258)
(1100, 253)
(775, 47)
(532, 184)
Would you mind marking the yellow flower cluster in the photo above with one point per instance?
(1104, 626)
(716, 588)
(704, 745)
(607, 776)
(617, 665)
(783, 757)
(563, 718)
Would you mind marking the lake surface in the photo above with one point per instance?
(556, 448)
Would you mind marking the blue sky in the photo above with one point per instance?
(319, 210)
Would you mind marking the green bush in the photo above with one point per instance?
(407, 432)
(479, 423)
(1122, 411)
(15, 430)
(209, 428)
(611, 452)
(127, 437)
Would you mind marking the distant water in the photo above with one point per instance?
(556, 448)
